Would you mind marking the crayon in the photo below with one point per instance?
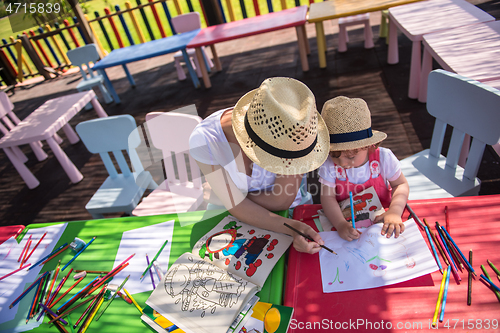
(445, 295)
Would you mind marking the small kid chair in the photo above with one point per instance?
(184, 23)
(84, 55)
(471, 109)
(361, 19)
(120, 192)
(182, 189)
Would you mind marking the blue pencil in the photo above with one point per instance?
(352, 210)
(79, 252)
(33, 285)
(48, 255)
(490, 283)
(69, 300)
(433, 249)
(441, 315)
(440, 233)
(459, 252)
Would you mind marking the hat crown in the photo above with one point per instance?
(283, 114)
(345, 115)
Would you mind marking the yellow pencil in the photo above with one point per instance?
(87, 324)
(133, 300)
(440, 296)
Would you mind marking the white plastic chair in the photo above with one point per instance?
(85, 55)
(184, 23)
(120, 192)
(182, 189)
(470, 108)
(360, 19)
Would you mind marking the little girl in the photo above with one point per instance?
(357, 163)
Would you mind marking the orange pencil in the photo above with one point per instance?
(66, 292)
(24, 249)
(38, 243)
(106, 278)
(56, 273)
(55, 254)
(25, 253)
(61, 284)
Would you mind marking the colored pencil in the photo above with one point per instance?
(133, 300)
(452, 252)
(307, 237)
(90, 272)
(156, 257)
(52, 313)
(38, 243)
(441, 250)
(433, 249)
(77, 254)
(150, 273)
(497, 294)
(445, 246)
(48, 255)
(459, 260)
(30, 311)
(445, 295)
(14, 271)
(65, 293)
(59, 286)
(453, 271)
(113, 270)
(56, 274)
(494, 286)
(42, 292)
(468, 264)
(412, 213)
(72, 309)
(469, 281)
(108, 276)
(76, 296)
(25, 253)
(56, 254)
(35, 283)
(352, 210)
(24, 249)
(90, 307)
(494, 269)
(57, 324)
(446, 217)
(158, 270)
(87, 324)
(440, 296)
(112, 298)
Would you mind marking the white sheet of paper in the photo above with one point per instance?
(13, 286)
(147, 240)
(374, 260)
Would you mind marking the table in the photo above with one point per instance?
(120, 316)
(288, 18)
(9, 231)
(409, 304)
(417, 19)
(328, 10)
(472, 51)
(43, 124)
(143, 51)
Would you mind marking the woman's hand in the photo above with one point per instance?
(301, 244)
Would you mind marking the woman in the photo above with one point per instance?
(254, 155)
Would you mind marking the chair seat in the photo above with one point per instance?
(90, 82)
(119, 193)
(190, 52)
(428, 178)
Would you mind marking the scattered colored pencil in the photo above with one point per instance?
(87, 323)
(107, 278)
(30, 311)
(453, 271)
(52, 313)
(445, 246)
(133, 300)
(59, 326)
(38, 243)
(90, 307)
(497, 294)
(469, 281)
(494, 269)
(468, 264)
(77, 254)
(112, 298)
(25, 253)
(494, 286)
(48, 255)
(353, 220)
(150, 273)
(445, 295)
(72, 309)
(446, 217)
(35, 283)
(440, 296)
(59, 286)
(65, 293)
(75, 297)
(15, 271)
(307, 237)
(415, 217)
(91, 272)
(56, 254)
(24, 249)
(156, 257)
(441, 250)
(438, 262)
(56, 274)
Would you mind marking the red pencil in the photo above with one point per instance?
(55, 254)
(453, 270)
(25, 253)
(13, 272)
(39, 241)
(67, 291)
(24, 249)
(446, 218)
(61, 284)
(56, 273)
(103, 280)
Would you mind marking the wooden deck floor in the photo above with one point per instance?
(246, 63)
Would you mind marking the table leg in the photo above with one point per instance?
(71, 170)
(217, 64)
(415, 70)
(321, 41)
(191, 71)
(204, 73)
(39, 152)
(71, 134)
(98, 108)
(110, 87)
(393, 53)
(23, 171)
(302, 41)
(424, 75)
(19, 153)
(129, 76)
(308, 47)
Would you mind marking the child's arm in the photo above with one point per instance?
(392, 217)
(334, 214)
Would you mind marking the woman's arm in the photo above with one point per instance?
(282, 194)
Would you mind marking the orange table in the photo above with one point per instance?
(288, 18)
(474, 223)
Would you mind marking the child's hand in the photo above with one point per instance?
(392, 224)
(347, 232)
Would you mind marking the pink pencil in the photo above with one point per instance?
(24, 249)
(13, 272)
(453, 270)
(39, 241)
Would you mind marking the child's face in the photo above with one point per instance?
(350, 158)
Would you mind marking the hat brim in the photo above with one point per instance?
(374, 139)
(269, 162)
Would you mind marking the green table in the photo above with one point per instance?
(121, 316)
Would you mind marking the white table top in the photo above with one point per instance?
(472, 51)
(424, 17)
(45, 121)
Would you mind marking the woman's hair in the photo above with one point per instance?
(371, 149)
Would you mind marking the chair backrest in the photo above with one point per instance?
(84, 55)
(186, 22)
(470, 107)
(170, 132)
(112, 134)
(6, 108)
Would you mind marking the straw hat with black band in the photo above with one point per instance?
(349, 124)
(278, 127)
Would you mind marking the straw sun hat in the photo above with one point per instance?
(278, 127)
(349, 124)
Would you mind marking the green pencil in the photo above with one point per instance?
(494, 268)
(111, 299)
(151, 262)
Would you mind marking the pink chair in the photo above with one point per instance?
(184, 23)
(361, 19)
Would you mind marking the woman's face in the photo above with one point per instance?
(350, 158)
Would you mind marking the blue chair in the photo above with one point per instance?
(120, 192)
(85, 55)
